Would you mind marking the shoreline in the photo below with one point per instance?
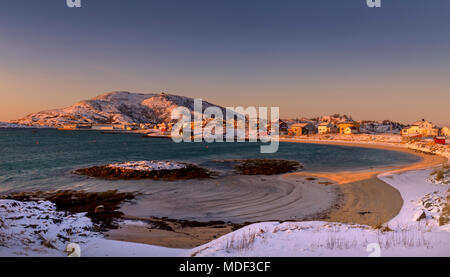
(361, 198)
(354, 197)
(368, 200)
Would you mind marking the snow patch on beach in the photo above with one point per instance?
(419, 196)
(148, 165)
(322, 239)
(35, 228)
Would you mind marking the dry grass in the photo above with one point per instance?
(441, 173)
(404, 237)
(245, 241)
(444, 219)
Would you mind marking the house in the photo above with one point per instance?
(421, 127)
(445, 132)
(351, 130)
(162, 127)
(283, 127)
(299, 129)
(345, 125)
(326, 128)
(440, 140)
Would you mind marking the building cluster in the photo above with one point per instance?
(345, 125)
(334, 124)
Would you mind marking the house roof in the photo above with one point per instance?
(302, 125)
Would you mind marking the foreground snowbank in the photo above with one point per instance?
(36, 229)
(402, 236)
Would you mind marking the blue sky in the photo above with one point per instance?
(309, 57)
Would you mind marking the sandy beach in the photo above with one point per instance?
(366, 199)
(349, 197)
(243, 200)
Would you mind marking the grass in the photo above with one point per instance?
(244, 243)
(441, 173)
(444, 218)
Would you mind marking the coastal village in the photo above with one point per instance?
(326, 126)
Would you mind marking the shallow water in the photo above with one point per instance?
(43, 159)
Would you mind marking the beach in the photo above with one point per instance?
(367, 199)
(354, 197)
(191, 213)
(233, 201)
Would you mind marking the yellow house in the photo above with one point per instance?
(445, 132)
(345, 125)
(326, 128)
(421, 127)
(300, 129)
(351, 130)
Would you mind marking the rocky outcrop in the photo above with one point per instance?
(265, 166)
(189, 171)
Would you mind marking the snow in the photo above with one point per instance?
(112, 248)
(416, 192)
(119, 107)
(24, 226)
(149, 165)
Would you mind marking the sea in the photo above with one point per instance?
(44, 159)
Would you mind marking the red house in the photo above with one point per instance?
(439, 140)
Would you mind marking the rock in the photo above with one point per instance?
(99, 209)
(190, 171)
(427, 205)
(419, 215)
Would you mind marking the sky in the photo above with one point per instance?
(308, 57)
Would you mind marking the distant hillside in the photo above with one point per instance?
(115, 108)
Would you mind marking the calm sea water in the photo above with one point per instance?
(44, 159)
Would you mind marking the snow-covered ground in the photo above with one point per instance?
(36, 229)
(380, 139)
(402, 236)
(149, 165)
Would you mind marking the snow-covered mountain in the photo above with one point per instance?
(119, 107)
(11, 125)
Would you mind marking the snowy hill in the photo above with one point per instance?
(11, 125)
(120, 107)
